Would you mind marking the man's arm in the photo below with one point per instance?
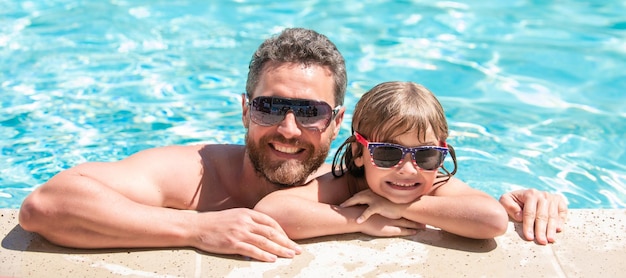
(72, 209)
(141, 202)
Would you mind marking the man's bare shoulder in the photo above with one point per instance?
(166, 166)
(186, 151)
(169, 150)
(180, 169)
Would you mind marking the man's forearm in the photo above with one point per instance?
(68, 214)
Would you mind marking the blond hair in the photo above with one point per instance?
(387, 111)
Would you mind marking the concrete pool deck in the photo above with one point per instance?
(593, 244)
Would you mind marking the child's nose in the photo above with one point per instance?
(407, 166)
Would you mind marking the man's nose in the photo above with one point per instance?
(288, 127)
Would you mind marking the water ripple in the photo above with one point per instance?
(533, 91)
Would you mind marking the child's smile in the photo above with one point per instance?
(405, 182)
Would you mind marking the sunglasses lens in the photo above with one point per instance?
(429, 159)
(386, 156)
(262, 113)
(268, 111)
(390, 156)
(314, 115)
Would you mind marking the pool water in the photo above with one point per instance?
(533, 90)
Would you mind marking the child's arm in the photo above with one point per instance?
(454, 207)
(311, 211)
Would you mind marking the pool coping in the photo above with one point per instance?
(592, 245)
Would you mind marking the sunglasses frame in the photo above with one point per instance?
(329, 119)
(371, 146)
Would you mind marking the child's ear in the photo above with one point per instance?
(358, 161)
(357, 155)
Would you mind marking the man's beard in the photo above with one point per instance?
(285, 173)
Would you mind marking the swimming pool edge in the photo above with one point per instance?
(591, 245)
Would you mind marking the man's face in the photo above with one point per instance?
(287, 153)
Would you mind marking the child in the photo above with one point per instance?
(390, 179)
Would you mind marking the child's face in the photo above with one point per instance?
(405, 182)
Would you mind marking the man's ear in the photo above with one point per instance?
(338, 120)
(245, 109)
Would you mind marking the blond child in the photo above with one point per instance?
(389, 177)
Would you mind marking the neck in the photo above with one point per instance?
(252, 186)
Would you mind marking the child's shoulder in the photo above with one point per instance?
(333, 190)
(453, 186)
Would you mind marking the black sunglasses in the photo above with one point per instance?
(310, 114)
(387, 155)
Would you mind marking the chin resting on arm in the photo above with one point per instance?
(302, 217)
(312, 210)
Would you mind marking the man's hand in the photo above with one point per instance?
(542, 214)
(243, 231)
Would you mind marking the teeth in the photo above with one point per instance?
(403, 184)
(289, 150)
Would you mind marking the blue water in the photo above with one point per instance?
(533, 90)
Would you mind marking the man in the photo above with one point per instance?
(542, 214)
(145, 200)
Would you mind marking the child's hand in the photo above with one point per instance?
(381, 226)
(376, 205)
